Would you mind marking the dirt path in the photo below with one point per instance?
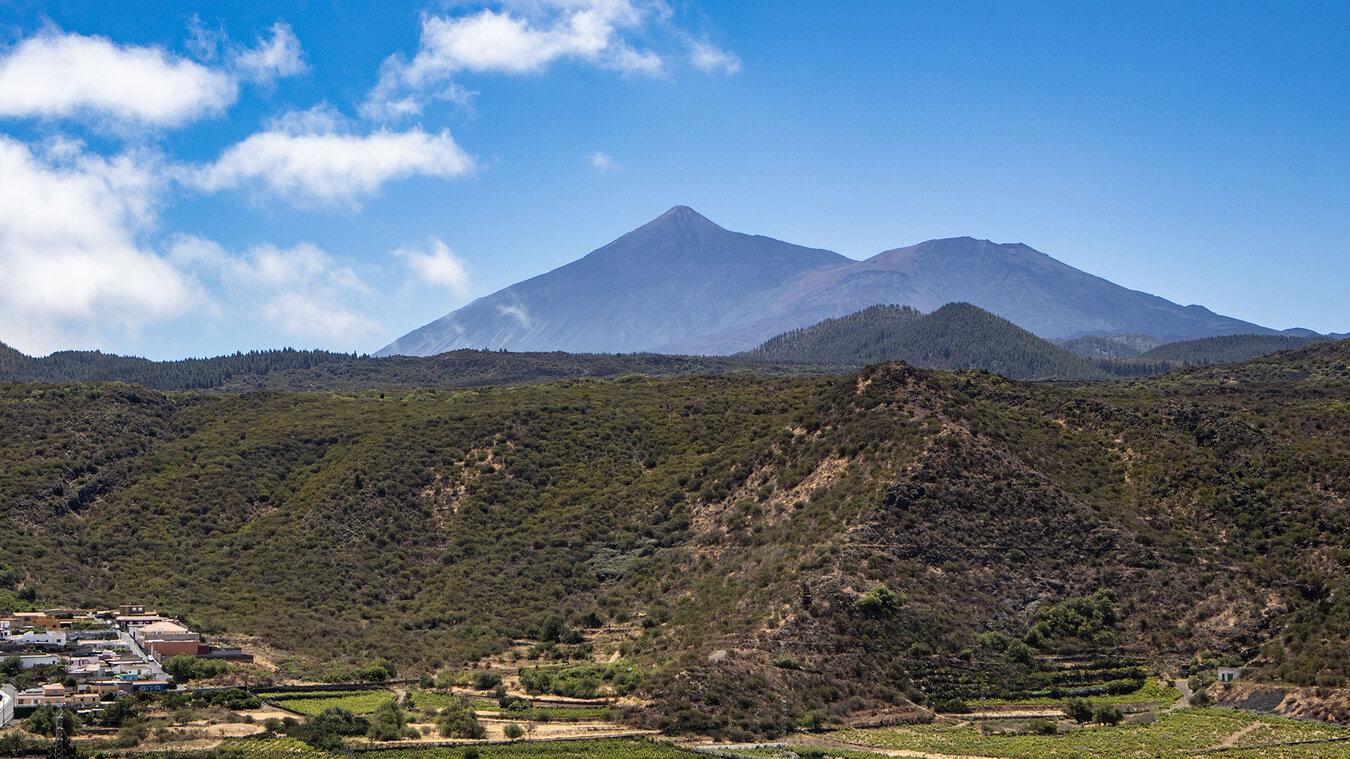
(1186, 693)
(1232, 740)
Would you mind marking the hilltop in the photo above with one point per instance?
(956, 336)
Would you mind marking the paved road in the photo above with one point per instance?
(157, 671)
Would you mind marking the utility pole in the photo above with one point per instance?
(62, 748)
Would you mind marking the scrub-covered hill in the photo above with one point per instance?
(794, 546)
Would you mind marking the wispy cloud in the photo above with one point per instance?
(437, 266)
(525, 37)
(708, 57)
(272, 58)
(301, 292)
(601, 161)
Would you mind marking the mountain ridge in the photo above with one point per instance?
(683, 284)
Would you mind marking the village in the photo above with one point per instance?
(80, 659)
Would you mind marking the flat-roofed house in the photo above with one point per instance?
(165, 630)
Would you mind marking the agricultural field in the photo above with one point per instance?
(606, 748)
(432, 699)
(266, 747)
(356, 702)
(1222, 732)
(1153, 691)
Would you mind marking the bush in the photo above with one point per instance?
(1079, 710)
(459, 721)
(486, 680)
(1108, 715)
(43, 721)
(877, 602)
(513, 731)
(1043, 727)
(184, 667)
(786, 662)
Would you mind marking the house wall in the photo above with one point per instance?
(7, 698)
(163, 649)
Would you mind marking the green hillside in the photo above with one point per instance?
(795, 546)
(956, 336)
(292, 370)
(1227, 348)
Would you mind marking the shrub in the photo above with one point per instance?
(1079, 710)
(513, 731)
(1043, 727)
(459, 721)
(1108, 715)
(877, 602)
(486, 680)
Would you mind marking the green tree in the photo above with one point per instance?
(43, 721)
(1079, 710)
(458, 720)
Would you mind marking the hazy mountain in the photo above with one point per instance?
(1229, 348)
(675, 277)
(1025, 286)
(1118, 345)
(681, 284)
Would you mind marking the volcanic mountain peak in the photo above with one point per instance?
(682, 284)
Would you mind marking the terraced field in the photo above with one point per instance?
(1221, 732)
(356, 702)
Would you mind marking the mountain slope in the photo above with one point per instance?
(956, 336)
(1024, 286)
(677, 276)
(681, 284)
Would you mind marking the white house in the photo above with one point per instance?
(39, 636)
(28, 661)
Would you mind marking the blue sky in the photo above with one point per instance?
(187, 179)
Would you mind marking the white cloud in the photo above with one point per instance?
(54, 75)
(301, 291)
(518, 38)
(438, 267)
(601, 161)
(271, 59)
(74, 270)
(304, 159)
(516, 311)
(707, 57)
